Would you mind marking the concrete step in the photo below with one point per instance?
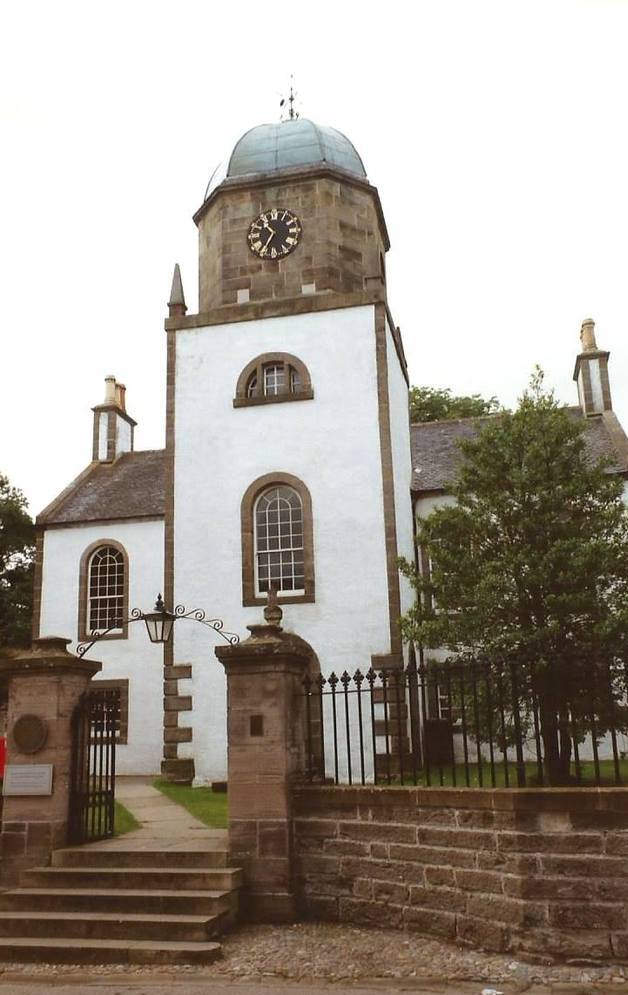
(110, 926)
(76, 951)
(150, 901)
(160, 878)
(84, 856)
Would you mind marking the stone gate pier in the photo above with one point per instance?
(45, 684)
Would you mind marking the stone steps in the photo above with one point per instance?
(85, 856)
(187, 879)
(110, 925)
(153, 902)
(99, 905)
(70, 951)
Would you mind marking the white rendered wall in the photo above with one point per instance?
(103, 421)
(331, 443)
(596, 385)
(123, 436)
(402, 464)
(134, 658)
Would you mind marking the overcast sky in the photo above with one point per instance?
(496, 133)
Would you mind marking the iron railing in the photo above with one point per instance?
(95, 725)
(475, 723)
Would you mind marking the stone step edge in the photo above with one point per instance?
(34, 941)
(64, 915)
(213, 871)
(77, 951)
(113, 854)
(136, 892)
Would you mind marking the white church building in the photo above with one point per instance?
(288, 460)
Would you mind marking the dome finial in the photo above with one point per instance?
(292, 113)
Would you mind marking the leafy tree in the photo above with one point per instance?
(530, 566)
(16, 567)
(434, 404)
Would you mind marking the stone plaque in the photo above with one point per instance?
(29, 733)
(28, 779)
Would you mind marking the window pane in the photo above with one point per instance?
(106, 590)
(279, 549)
(274, 377)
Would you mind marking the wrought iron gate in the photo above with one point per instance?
(95, 725)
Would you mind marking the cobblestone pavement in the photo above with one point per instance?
(341, 958)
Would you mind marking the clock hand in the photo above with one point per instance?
(270, 237)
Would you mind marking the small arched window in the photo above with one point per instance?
(104, 590)
(272, 377)
(279, 553)
(277, 540)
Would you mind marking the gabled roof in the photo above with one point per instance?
(436, 455)
(130, 487)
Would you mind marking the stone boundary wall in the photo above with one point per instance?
(542, 871)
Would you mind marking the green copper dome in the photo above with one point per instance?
(288, 145)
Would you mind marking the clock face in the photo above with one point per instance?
(274, 233)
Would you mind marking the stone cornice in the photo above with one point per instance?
(255, 180)
(258, 310)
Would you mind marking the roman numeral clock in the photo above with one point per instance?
(274, 234)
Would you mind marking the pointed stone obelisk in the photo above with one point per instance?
(176, 305)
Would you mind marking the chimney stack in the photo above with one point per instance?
(113, 428)
(591, 373)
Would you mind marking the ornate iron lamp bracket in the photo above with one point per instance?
(180, 612)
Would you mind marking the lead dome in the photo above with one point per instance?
(269, 148)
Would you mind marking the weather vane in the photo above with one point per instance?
(292, 114)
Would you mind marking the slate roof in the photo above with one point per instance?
(130, 487)
(436, 454)
(133, 485)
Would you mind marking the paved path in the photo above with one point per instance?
(213, 986)
(164, 824)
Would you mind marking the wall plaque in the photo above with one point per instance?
(30, 733)
(28, 779)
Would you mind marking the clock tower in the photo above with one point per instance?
(306, 172)
(287, 431)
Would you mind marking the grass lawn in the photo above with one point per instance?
(587, 774)
(207, 805)
(123, 820)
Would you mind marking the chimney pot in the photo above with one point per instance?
(587, 336)
(110, 390)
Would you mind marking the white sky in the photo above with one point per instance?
(496, 133)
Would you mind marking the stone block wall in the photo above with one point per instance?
(341, 248)
(541, 871)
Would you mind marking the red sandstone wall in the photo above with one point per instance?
(538, 870)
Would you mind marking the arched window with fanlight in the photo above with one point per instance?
(277, 540)
(273, 377)
(103, 590)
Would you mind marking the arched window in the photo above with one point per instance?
(277, 540)
(103, 594)
(272, 377)
(279, 553)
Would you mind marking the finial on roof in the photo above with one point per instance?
(587, 336)
(292, 113)
(176, 304)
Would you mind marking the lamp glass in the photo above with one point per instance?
(159, 626)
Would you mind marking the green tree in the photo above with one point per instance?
(530, 564)
(434, 404)
(16, 567)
